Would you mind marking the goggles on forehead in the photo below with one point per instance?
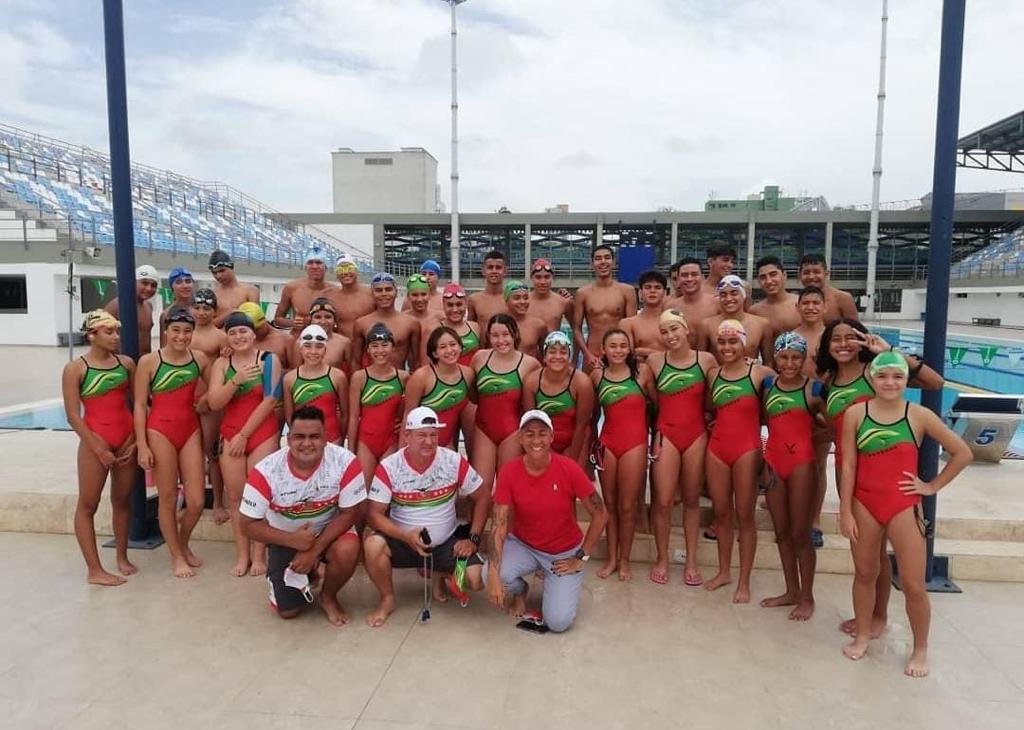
(310, 337)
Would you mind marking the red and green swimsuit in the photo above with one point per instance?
(681, 403)
(625, 414)
(840, 398)
(172, 410)
(499, 401)
(380, 405)
(737, 427)
(320, 393)
(789, 429)
(884, 452)
(447, 400)
(104, 394)
(562, 410)
(247, 399)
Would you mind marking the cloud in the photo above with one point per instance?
(602, 104)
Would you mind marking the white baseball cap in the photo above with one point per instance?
(146, 272)
(535, 415)
(422, 417)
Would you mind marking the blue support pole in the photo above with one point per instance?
(947, 124)
(141, 533)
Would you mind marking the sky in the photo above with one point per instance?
(599, 104)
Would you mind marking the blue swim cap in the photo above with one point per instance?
(431, 266)
(178, 273)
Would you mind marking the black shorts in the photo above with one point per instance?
(403, 556)
(286, 598)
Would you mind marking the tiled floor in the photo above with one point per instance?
(208, 653)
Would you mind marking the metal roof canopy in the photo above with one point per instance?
(999, 146)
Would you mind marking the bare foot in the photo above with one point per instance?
(722, 579)
(182, 568)
(335, 614)
(103, 578)
(241, 568)
(917, 665)
(849, 626)
(856, 649)
(258, 567)
(610, 567)
(803, 611)
(440, 594)
(742, 594)
(194, 560)
(125, 566)
(220, 515)
(625, 572)
(659, 574)
(517, 606)
(692, 576)
(786, 599)
(378, 617)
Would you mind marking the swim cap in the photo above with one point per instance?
(557, 337)
(205, 296)
(542, 265)
(733, 327)
(314, 253)
(513, 286)
(431, 266)
(379, 333)
(345, 264)
(322, 304)
(146, 273)
(254, 312)
(417, 282)
(99, 318)
(179, 314)
(382, 277)
(238, 319)
(889, 359)
(672, 315)
(178, 273)
(220, 260)
(731, 281)
(312, 333)
(453, 290)
(791, 341)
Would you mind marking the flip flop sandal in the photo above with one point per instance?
(658, 576)
(693, 580)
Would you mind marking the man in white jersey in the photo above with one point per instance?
(303, 501)
(411, 510)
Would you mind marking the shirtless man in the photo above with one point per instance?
(485, 304)
(778, 306)
(431, 273)
(731, 294)
(268, 338)
(417, 297)
(146, 283)
(532, 329)
(297, 296)
(601, 305)
(810, 307)
(642, 328)
(695, 302)
(673, 279)
(838, 303)
(405, 329)
(182, 285)
(231, 293)
(211, 341)
(351, 300)
(721, 261)
(339, 347)
(549, 306)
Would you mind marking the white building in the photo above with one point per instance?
(397, 181)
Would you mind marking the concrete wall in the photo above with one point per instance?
(1004, 303)
(408, 184)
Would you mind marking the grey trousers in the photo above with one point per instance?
(561, 592)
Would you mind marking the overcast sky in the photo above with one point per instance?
(601, 104)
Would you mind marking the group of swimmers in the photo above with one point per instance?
(674, 394)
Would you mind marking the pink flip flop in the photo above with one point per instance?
(693, 580)
(658, 576)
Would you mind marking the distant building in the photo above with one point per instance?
(396, 181)
(997, 200)
(560, 208)
(769, 199)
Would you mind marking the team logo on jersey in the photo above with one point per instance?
(874, 439)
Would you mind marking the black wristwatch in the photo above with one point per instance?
(474, 538)
(581, 555)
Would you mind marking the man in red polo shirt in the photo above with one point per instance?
(538, 493)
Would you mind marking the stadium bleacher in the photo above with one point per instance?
(1004, 257)
(67, 187)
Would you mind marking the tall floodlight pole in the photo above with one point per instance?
(940, 250)
(456, 268)
(876, 172)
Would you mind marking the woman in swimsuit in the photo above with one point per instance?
(246, 385)
(443, 385)
(375, 402)
(211, 341)
(846, 349)
(734, 453)
(453, 299)
(316, 383)
(500, 372)
(879, 494)
(680, 376)
(792, 401)
(565, 394)
(169, 435)
(622, 392)
(95, 388)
